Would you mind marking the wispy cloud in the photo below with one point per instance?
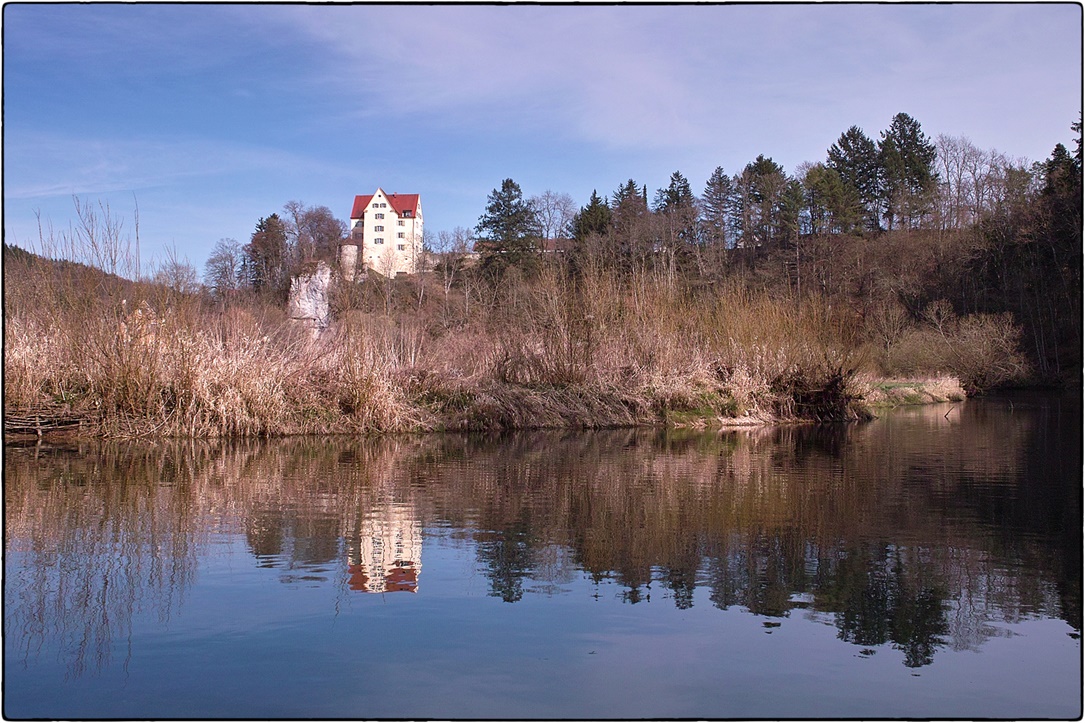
(591, 72)
(49, 164)
(659, 76)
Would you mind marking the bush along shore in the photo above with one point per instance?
(90, 353)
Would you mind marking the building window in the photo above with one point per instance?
(378, 215)
(401, 247)
(406, 214)
(400, 222)
(401, 235)
(378, 240)
(378, 228)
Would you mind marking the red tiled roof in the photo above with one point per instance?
(399, 202)
(360, 202)
(556, 245)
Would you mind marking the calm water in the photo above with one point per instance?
(927, 564)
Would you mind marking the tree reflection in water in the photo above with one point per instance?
(921, 531)
(880, 594)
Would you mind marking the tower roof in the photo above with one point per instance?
(399, 202)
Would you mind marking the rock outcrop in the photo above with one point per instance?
(309, 297)
(348, 260)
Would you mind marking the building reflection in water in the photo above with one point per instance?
(922, 531)
(385, 554)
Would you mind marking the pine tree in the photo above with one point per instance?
(263, 263)
(716, 204)
(628, 207)
(906, 158)
(855, 157)
(760, 189)
(592, 219)
(677, 204)
(676, 196)
(791, 204)
(627, 192)
(508, 231)
(832, 204)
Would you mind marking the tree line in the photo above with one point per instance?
(902, 181)
(903, 228)
(985, 233)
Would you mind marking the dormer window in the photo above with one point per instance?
(406, 214)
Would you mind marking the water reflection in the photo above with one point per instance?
(385, 550)
(929, 529)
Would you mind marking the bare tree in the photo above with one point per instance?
(553, 212)
(99, 235)
(970, 180)
(222, 272)
(451, 250)
(951, 172)
(177, 274)
(314, 232)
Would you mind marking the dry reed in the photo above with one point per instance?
(594, 350)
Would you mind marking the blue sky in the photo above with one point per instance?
(212, 116)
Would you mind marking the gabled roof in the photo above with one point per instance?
(360, 202)
(399, 203)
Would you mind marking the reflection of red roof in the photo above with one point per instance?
(399, 202)
(401, 578)
(358, 579)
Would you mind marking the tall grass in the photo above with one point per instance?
(594, 347)
(597, 350)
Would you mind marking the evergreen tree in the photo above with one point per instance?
(855, 158)
(677, 204)
(1076, 128)
(906, 158)
(635, 238)
(594, 218)
(1058, 255)
(761, 186)
(628, 208)
(507, 232)
(716, 204)
(833, 205)
(791, 205)
(264, 259)
(676, 196)
(628, 192)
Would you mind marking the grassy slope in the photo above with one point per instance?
(137, 359)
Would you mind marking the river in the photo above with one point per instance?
(926, 564)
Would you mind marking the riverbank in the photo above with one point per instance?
(90, 354)
(883, 393)
(421, 403)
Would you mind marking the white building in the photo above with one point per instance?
(385, 555)
(386, 234)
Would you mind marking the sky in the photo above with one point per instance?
(208, 117)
